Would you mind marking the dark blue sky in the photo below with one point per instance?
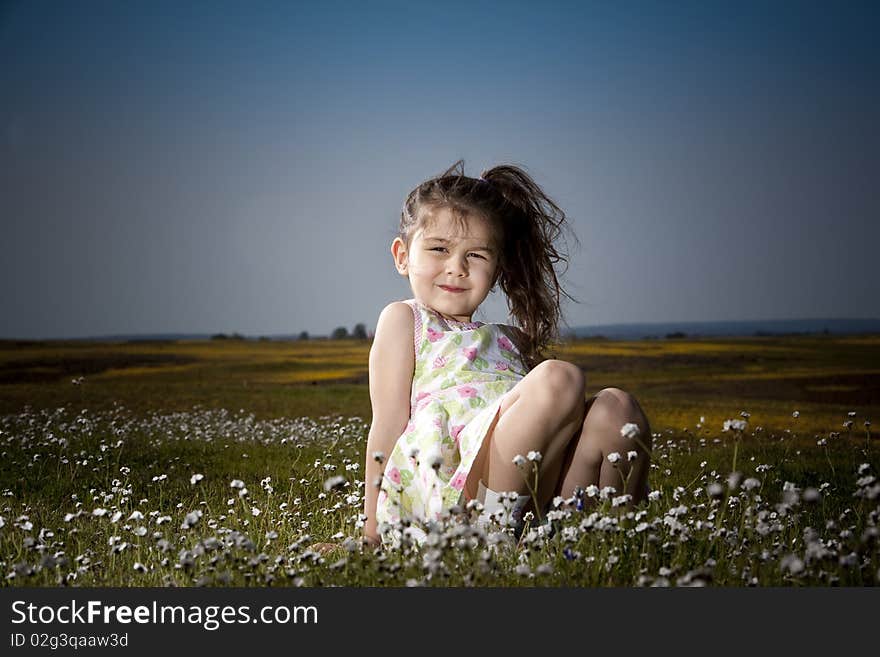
(210, 166)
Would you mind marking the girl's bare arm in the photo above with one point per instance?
(392, 362)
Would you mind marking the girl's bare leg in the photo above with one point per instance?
(587, 461)
(542, 413)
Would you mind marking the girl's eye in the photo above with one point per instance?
(443, 248)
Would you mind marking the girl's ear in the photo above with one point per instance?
(398, 250)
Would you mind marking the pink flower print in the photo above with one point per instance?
(505, 344)
(456, 430)
(394, 475)
(501, 366)
(438, 422)
(467, 391)
(470, 353)
(458, 481)
(439, 362)
(422, 400)
(409, 426)
(434, 334)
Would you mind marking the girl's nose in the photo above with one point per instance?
(456, 266)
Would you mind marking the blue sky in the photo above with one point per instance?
(220, 166)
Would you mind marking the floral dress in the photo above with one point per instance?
(462, 372)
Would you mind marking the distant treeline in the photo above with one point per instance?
(339, 333)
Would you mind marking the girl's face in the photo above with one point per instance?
(450, 270)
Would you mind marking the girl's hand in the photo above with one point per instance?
(370, 542)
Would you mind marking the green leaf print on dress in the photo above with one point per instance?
(406, 478)
(455, 407)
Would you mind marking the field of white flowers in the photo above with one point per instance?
(220, 498)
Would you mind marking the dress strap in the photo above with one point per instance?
(418, 324)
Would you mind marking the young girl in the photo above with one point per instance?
(455, 400)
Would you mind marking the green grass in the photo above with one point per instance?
(146, 418)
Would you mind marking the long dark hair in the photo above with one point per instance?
(528, 223)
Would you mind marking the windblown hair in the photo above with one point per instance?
(526, 223)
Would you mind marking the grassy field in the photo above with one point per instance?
(213, 463)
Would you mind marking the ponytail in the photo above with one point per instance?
(532, 225)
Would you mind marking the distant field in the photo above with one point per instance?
(678, 381)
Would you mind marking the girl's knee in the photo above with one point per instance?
(561, 381)
(614, 408)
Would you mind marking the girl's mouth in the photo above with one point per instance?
(451, 289)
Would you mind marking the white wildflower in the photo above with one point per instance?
(621, 500)
(715, 490)
(792, 564)
(811, 495)
(337, 481)
(196, 478)
(191, 519)
(630, 430)
(607, 492)
(733, 480)
(614, 457)
(735, 425)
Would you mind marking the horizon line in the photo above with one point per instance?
(295, 335)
